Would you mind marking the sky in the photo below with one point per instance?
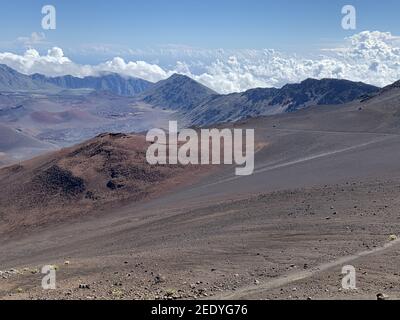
(228, 45)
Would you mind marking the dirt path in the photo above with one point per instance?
(257, 290)
(262, 168)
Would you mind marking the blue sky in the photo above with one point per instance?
(228, 45)
(284, 24)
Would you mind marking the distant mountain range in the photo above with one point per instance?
(268, 101)
(124, 86)
(198, 104)
(202, 106)
(11, 80)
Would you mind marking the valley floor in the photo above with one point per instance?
(280, 245)
(283, 233)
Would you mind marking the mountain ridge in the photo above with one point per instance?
(178, 92)
(270, 101)
(199, 104)
(12, 80)
(113, 82)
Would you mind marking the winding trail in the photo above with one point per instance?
(245, 292)
(266, 168)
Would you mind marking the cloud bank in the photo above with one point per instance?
(372, 57)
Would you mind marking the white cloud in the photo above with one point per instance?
(372, 57)
(34, 39)
(55, 63)
(139, 69)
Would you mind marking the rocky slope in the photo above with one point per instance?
(268, 101)
(115, 83)
(177, 93)
(59, 186)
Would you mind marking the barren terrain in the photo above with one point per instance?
(325, 193)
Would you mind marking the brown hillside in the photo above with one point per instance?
(110, 169)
